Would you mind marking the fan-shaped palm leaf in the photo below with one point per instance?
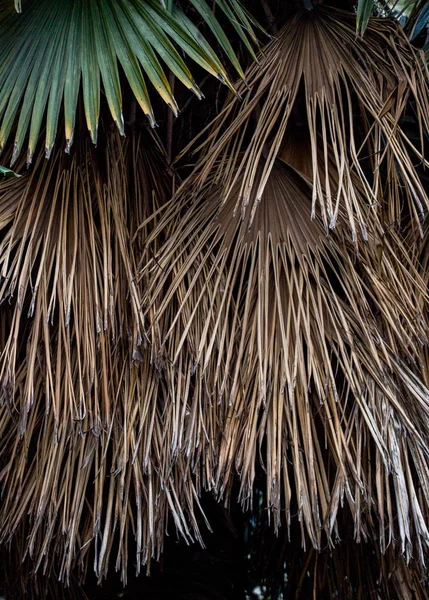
(351, 94)
(51, 47)
(86, 438)
(298, 349)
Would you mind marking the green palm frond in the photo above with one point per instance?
(365, 9)
(418, 18)
(52, 48)
(413, 14)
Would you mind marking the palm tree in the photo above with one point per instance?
(255, 329)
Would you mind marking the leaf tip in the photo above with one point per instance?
(14, 154)
(48, 151)
(29, 157)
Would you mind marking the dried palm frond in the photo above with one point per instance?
(64, 240)
(86, 459)
(299, 348)
(351, 94)
(418, 248)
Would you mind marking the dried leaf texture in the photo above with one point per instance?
(302, 350)
(349, 94)
(85, 442)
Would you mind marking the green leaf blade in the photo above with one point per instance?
(364, 12)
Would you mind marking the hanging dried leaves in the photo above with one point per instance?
(301, 347)
(87, 451)
(351, 94)
(148, 352)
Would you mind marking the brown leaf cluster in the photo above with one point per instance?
(271, 313)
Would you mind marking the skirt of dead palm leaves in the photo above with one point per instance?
(306, 336)
(87, 438)
(250, 336)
